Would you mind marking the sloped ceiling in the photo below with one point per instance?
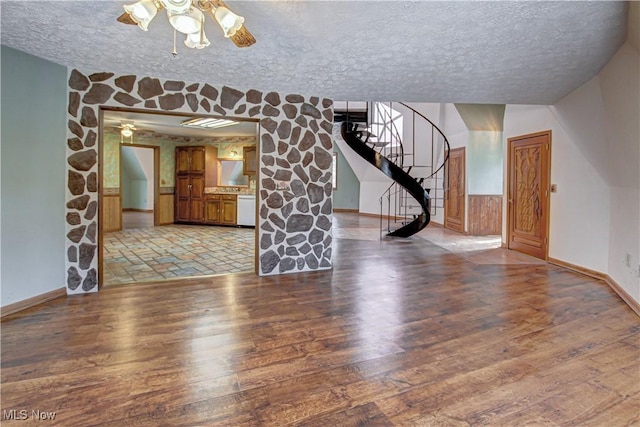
(470, 52)
(489, 117)
(131, 164)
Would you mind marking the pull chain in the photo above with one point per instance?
(175, 51)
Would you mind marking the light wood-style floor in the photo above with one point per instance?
(399, 333)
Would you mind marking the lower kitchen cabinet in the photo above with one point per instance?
(220, 209)
(212, 209)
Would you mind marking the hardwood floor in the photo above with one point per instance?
(399, 333)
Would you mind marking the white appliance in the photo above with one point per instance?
(246, 210)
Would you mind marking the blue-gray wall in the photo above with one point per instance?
(485, 163)
(347, 195)
(33, 136)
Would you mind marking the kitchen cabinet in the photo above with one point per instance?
(250, 155)
(212, 210)
(196, 168)
(192, 159)
(220, 209)
(189, 198)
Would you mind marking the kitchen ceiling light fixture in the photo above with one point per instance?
(208, 123)
(126, 131)
(187, 17)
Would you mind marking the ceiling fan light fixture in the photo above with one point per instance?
(188, 22)
(229, 21)
(176, 6)
(126, 131)
(197, 40)
(142, 12)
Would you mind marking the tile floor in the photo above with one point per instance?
(170, 251)
(148, 253)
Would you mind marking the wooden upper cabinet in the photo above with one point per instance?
(250, 166)
(197, 159)
(192, 159)
(182, 160)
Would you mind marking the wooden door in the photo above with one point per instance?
(182, 159)
(454, 206)
(197, 198)
(528, 192)
(183, 199)
(197, 159)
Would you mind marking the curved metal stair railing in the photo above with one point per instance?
(389, 154)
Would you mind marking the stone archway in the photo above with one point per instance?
(294, 179)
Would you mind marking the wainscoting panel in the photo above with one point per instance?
(165, 206)
(485, 215)
(111, 211)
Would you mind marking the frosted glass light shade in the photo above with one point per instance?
(142, 12)
(229, 21)
(188, 22)
(176, 6)
(126, 132)
(194, 41)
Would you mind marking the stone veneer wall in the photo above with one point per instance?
(294, 181)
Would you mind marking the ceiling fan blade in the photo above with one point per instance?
(125, 18)
(243, 38)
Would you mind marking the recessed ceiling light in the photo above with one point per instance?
(208, 123)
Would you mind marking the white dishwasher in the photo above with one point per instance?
(246, 210)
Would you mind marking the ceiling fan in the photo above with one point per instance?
(187, 17)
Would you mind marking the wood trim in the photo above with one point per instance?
(633, 304)
(137, 210)
(577, 268)
(156, 181)
(436, 224)
(15, 307)
(346, 210)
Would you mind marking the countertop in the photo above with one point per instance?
(229, 190)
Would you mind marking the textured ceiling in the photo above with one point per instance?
(470, 52)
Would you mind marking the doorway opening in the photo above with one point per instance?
(139, 166)
(141, 238)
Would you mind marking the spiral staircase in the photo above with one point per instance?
(416, 165)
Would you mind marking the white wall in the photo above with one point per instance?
(32, 175)
(372, 182)
(579, 211)
(620, 88)
(457, 134)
